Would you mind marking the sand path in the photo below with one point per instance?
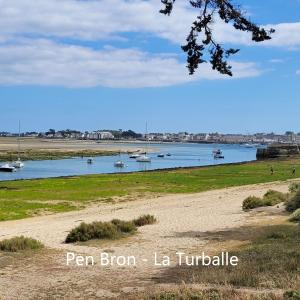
(181, 220)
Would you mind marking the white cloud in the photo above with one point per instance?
(102, 19)
(286, 35)
(44, 62)
(32, 49)
(276, 61)
(92, 20)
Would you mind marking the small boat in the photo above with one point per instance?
(89, 161)
(134, 156)
(161, 155)
(143, 158)
(18, 164)
(7, 168)
(249, 145)
(119, 164)
(168, 154)
(217, 152)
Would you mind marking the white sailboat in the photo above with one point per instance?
(18, 164)
(119, 163)
(144, 158)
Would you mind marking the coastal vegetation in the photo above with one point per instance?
(269, 259)
(295, 216)
(112, 230)
(144, 220)
(20, 243)
(31, 154)
(294, 202)
(271, 198)
(184, 292)
(26, 198)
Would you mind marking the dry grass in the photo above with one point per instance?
(20, 243)
(144, 220)
(271, 260)
(186, 293)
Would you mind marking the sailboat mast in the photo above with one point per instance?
(19, 145)
(147, 141)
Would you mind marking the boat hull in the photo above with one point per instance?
(7, 169)
(143, 159)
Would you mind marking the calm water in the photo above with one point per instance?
(183, 155)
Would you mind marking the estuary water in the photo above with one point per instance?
(182, 155)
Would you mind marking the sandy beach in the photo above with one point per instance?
(37, 144)
(183, 220)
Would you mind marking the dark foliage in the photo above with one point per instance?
(218, 55)
(144, 220)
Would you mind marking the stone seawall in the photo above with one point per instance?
(278, 150)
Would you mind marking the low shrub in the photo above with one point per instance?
(294, 187)
(292, 295)
(20, 243)
(252, 202)
(294, 202)
(270, 198)
(144, 220)
(100, 230)
(112, 230)
(125, 226)
(295, 216)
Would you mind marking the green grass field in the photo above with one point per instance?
(25, 198)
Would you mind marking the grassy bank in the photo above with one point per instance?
(51, 154)
(271, 260)
(21, 199)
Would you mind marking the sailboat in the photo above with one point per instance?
(119, 163)
(144, 158)
(18, 164)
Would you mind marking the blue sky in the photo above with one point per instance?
(73, 64)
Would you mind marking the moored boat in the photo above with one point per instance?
(134, 156)
(7, 168)
(18, 164)
(143, 158)
(119, 164)
(218, 154)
